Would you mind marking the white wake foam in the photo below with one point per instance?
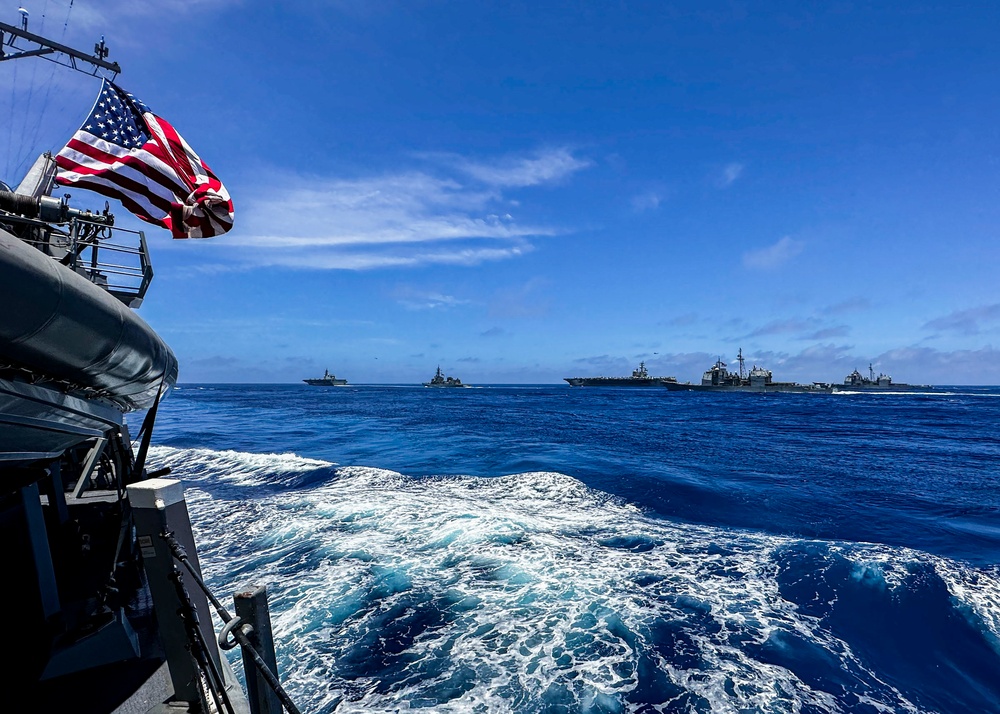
(508, 591)
(232, 466)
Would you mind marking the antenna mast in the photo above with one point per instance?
(61, 54)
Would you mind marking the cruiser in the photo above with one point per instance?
(439, 380)
(719, 379)
(640, 378)
(327, 380)
(857, 382)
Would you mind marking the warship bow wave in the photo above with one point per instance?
(327, 380)
(639, 378)
(719, 379)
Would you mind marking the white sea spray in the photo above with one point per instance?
(500, 594)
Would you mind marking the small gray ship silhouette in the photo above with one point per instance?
(327, 380)
(439, 380)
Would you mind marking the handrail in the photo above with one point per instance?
(93, 249)
(232, 625)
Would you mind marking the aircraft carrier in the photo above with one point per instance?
(640, 378)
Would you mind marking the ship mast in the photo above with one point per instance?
(53, 51)
(739, 357)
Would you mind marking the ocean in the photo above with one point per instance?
(551, 549)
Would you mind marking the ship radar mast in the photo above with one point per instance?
(740, 359)
(28, 44)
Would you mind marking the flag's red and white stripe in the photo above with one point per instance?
(163, 182)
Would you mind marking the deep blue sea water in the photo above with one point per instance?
(550, 549)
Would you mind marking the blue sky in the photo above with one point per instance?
(521, 192)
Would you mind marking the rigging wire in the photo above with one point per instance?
(25, 150)
(10, 128)
(66, 23)
(48, 86)
(23, 145)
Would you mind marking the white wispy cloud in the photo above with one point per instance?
(829, 332)
(969, 322)
(789, 326)
(131, 18)
(685, 320)
(646, 202)
(541, 167)
(520, 301)
(924, 365)
(729, 174)
(415, 299)
(451, 213)
(351, 260)
(851, 305)
(773, 255)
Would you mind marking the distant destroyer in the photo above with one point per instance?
(857, 382)
(719, 379)
(327, 380)
(439, 380)
(640, 378)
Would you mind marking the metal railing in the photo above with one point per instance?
(237, 631)
(114, 258)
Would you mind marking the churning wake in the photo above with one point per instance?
(532, 592)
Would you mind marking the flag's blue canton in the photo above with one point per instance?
(114, 119)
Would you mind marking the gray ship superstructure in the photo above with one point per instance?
(640, 378)
(327, 380)
(718, 378)
(857, 382)
(442, 382)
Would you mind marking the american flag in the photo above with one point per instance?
(126, 152)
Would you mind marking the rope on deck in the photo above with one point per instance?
(233, 626)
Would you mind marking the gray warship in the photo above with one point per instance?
(857, 382)
(442, 382)
(327, 380)
(105, 607)
(719, 379)
(639, 378)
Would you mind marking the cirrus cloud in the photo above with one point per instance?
(519, 171)
(773, 256)
(730, 172)
(397, 218)
(968, 322)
